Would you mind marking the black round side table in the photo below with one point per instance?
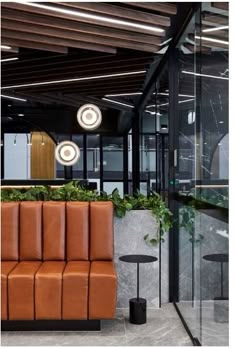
(218, 258)
(138, 305)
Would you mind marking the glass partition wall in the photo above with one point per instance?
(201, 176)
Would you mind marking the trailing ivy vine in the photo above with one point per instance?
(74, 192)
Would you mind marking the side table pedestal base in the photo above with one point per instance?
(137, 310)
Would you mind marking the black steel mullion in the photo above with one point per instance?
(163, 164)
(135, 152)
(85, 174)
(101, 162)
(173, 145)
(125, 164)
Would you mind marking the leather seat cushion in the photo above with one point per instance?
(21, 283)
(48, 290)
(102, 290)
(75, 290)
(6, 268)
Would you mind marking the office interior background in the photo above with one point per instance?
(164, 102)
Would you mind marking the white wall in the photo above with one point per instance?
(16, 157)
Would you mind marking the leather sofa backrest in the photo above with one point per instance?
(30, 231)
(57, 231)
(9, 231)
(101, 231)
(54, 218)
(77, 230)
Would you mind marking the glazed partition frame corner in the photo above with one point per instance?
(198, 180)
(194, 68)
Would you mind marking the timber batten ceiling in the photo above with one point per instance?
(60, 41)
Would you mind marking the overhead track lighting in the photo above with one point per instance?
(210, 39)
(179, 95)
(76, 79)
(6, 47)
(14, 142)
(9, 59)
(164, 104)
(93, 16)
(14, 98)
(209, 30)
(29, 141)
(119, 103)
(204, 75)
(123, 94)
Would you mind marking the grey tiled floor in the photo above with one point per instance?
(163, 328)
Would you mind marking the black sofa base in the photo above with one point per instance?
(51, 325)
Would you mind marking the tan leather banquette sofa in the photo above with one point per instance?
(57, 265)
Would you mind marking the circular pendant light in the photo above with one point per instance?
(67, 153)
(89, 117)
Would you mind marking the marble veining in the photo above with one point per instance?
(129, 232)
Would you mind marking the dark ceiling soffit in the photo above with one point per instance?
(180, 22)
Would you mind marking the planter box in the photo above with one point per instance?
(129, 232)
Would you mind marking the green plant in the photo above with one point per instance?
(187, 220)
(73, 192)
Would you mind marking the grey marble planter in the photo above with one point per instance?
(129, 232)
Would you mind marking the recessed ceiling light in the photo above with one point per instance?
(221, 122)
(208, 30)
(204, 75)
(116, 102)
(9, 59)
(153, 113)
(164, 104)
(21, 115)
(77, 79)
(180, 95)
(123, 94)
(6, 47)
(210, 39)
(93, 16)
(14, 98)
(165, 42)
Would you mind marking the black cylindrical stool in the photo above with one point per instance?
(137, 310)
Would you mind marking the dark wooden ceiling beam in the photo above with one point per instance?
(85, 99)
(73, 39)
(72, 73)
(221, 5)
(85, 88)
(17, 35)
(23, 67)
(33, 45)
(155, 6)
(78, 27)
(52, 13)
(139, 64)
(215, 19)
(65, 85)
(224, 34)
(58, 62)
(117, 11)
(12, 50)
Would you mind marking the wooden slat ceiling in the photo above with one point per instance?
(56, 45)
(69, 40)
